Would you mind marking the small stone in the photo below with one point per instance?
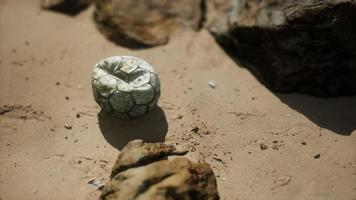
(212, 84)
(263, 147)
(67, 98)
(58, 83)
(195, 129)
(304, 143)
(77, 115)
(68, 126)
(317, 156)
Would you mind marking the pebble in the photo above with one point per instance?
(212, 84)
(68, 126)
(263, 146)
(317, 156)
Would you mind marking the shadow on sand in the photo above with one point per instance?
(335, 114)
(152, 127)
(71, 8)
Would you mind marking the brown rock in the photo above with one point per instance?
(146, 23)
(141, 172)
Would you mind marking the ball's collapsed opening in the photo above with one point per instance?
(125, 86)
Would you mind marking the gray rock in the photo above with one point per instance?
(143, 172)
(306, 46)
(146, 23)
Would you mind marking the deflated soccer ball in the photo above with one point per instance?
(125, 86)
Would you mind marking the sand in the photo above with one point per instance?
(261, 145)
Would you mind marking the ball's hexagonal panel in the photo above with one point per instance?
(97, 72)
(138, 111)
(144, 94)
(106, 84)
(155, 82)
(110, 64)
(153, 104)
(147, 66)
(102, 101)
(127, 68)
(124, 86)
(94, 85)
(121, 76)
(139, 77)
(121, 101)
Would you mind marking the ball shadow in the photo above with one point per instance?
(152, 127)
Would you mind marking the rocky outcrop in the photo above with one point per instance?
(306, 46)
(146, 23)
(143, 172)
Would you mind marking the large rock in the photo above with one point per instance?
(146, 23)
(306, 46)
(143, 172)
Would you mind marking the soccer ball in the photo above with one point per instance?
(125, 86)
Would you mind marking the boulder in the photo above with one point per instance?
(142, 171)
(146, 23)
(306, 46)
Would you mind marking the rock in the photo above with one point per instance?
(317, 156)
(68, 126)
(306, 46)
(143, 172)
(70, 7)
(263, 146)
(140, 24)
(212, 84)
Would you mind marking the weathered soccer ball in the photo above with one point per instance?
(125, 86)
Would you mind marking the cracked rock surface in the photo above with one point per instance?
(143, 172)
